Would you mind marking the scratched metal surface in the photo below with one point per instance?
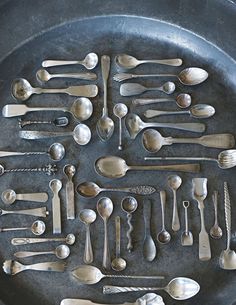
(202, 34)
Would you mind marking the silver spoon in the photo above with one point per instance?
(105, 125)
(120, 110)
(89, 62)
(164, 236)
(81, 134)
(61, 252)
(22, 90)
(135, 125)
(37, 228)
(227, 259)
(187, 236)
(189, 76)
(9, 197)
(116, 167)
(180, 288)
(118, 263)
(59, 122)
(126, 61)
(89, 275)
(130, 89)
(105, 209)
(91, 189)
(183, 100)
(149, 247)
(55, 186)
(153, 141)
(48, 170)
(69, 240)
(129, 206)
(38, 212)
(87, 216)
(225, 160)
(174, 182)
(216, 231)
(198, 111)
(69, 171)
(43, 75)
(81, 109)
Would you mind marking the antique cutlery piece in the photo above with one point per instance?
(129, 206)
(129, 89)
(69, 171)
(87, 216)
(200, 194)
(189, 76)
(61, 252)
(59, 122)
(37, 228)
(43, 75)
(55, 186)
(38, 212)
(126, 61)
(216, 231)
(22, 90)
(135, 125)
(180, 288)
(9, 197)
(120, 110)
(187, 236)
(91, 189)
(153, 141)
(89, 62)
(13, 267)
(149, 247)
(174, 182)
(89, 275)
(49, 169)
(18, 241)
(163, 236)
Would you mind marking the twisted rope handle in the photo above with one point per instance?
(49, 169)
(227, 213)
(128, 234)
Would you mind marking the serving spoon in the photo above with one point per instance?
(22, 90)
(189, 76)
(130, 89)
(153, 141)
(44, 76)
(37, 228)
(89, 62)
(199, 111)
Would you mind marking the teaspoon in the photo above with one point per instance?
(149, 247)
(174, 182)
(59, 122)
(70, 170)
(163, 237)
(37, 228)
(9, 197)
(69, 240)
(61, 252)
(120, 110)
(216, 231)
(44, 76)
(130, 89)
(89, 62)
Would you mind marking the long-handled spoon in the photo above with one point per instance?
(18, 241)
(180, 288)
(105, 209)
(69, 171)
(216, 231)
(61, 252)
(44, 76)
(105, 125)
(38, 212)
(81, 134)
(130, 89)
(88, 216)
(174, 182)
(183, 100)
(189, 76)
(89, 62)
(153, 141)
(48, 170)
(91, 275)
(81, 109)
(135, 125)
(118, 263)
(198, 111)
(186, 236)
(116, 167)
(200, 194)
(227, 259)
(91, 189)
(126, 61)
(9, 197)
(22, 90)
(163, 236)
(226, 159)
(120, 110)
(149, 247)
(37, 228)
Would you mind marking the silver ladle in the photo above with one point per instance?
(89, 62)
(43, 75)
(37, 228)
(163, 236)
(120, 110)
(198, 111)
(153, 141)
(183, 100)
(129, 206)
(22, 90)
(105, 125)
(61, 252)
(189, 76)
(9, 197)
(135, 125)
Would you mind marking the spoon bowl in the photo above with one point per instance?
(90, 61)
(62, 251)
(118, 264)
(38, 227)
(163, 237)
(55, 185)
(87, 216)
(174, 182)
(43, 75)
(56, 151)
(70, 239)
(82, 109)
(202, 111)
(227, 159)
(82, 134)
(182, 288)
(8, 196)
(88, 189)
(21, 89)
(184, 100)
(105, 207)
(120, 110)
(69, 170)
(129, 204)
(192, 76)
(152, 140)
(105, 127)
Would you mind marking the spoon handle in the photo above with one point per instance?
(194, 127)
(47, 266)
(22, 254)
(227, 214)
(154, 113)
(191, 168)
(70, 200)
(215, 202)
(56, 213)
(117, 220)
(163, 203)
(147, 206)
(36, 135)
(39, 212)
(109, 289)
(106, 263)
(84, 76)
(128, 234)
(54, 63)
(181, 158)
(37, 197)
(88, 251)
(147, 101)
(105, 63)
(175, 62)
(25, 241)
